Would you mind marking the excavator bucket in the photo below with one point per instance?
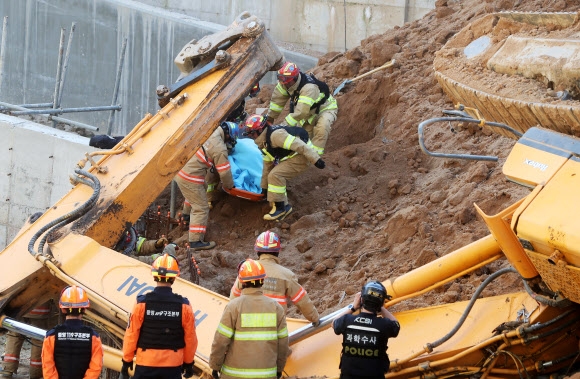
(520, 69)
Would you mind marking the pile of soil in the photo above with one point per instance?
(381, 207)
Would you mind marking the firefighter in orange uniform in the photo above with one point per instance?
(39, 317)
(281, 283)
(161, 329)
(72, 350)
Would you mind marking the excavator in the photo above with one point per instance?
(532, 333)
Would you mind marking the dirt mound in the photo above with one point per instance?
(381, 207)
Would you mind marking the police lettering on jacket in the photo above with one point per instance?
(364, 343)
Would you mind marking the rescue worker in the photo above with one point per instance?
(72, 349)
(39, 316)
(161, 329)
(237, 116)
(287, 152)
(212, 156)
(311, 104)
(281, 283)
(251, 340)
(365, 336)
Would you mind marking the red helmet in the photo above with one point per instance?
(288, 74)
(267, 242)
(251, 271)
(254, 124)
(73, 297)
(165, 268)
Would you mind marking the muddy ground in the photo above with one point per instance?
(381, 207)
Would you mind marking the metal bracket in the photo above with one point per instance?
(523, 315)
(196, 53)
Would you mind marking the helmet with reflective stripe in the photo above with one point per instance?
(251, 271)
(288, 74)
(373, 296)
(232, 130)
(73, 297)
(267, 242)
(254, 124)
(165, 268)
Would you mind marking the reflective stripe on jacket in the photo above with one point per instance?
(282, 285)
(309, 94)
(252, 339)
(280, 138)
(214, 153)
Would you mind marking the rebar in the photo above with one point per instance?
(58, 70)
(68, 110)
(64, 67)
(3, 49)
(59, 119)
(117, 84)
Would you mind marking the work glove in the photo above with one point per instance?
(215, 374)
(278, 375)
(126, 367)
(320, 164)
(187, 370)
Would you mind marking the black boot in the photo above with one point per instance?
(279, 212)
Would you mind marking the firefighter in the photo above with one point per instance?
(161, 329)
(212, 156)
(311, 104)
(238, 116)
(281, 283)
(72, 349)
(365, 336)
(251, 340)
(287, 152)
(39, 316)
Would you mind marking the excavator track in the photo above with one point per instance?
(516, 68)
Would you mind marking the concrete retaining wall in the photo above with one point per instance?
(155, 36)
(34, 170)
(322, 25)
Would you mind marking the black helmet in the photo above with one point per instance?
(373, 296)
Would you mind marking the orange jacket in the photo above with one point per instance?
(49, 365)
(160, 357)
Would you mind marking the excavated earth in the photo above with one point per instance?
(381, 207)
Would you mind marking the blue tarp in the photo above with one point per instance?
(246, 162)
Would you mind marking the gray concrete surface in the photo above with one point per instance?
(321, 25)
(34, 170)
(155, 36)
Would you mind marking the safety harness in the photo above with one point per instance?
(279, 154)
(310, 79)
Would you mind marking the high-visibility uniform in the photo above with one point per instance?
(279, 168)
(161, 333)
(213, 155)
(282, 285)
(72, 350)
(252, 339)
(39, 317)
(317, 120)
